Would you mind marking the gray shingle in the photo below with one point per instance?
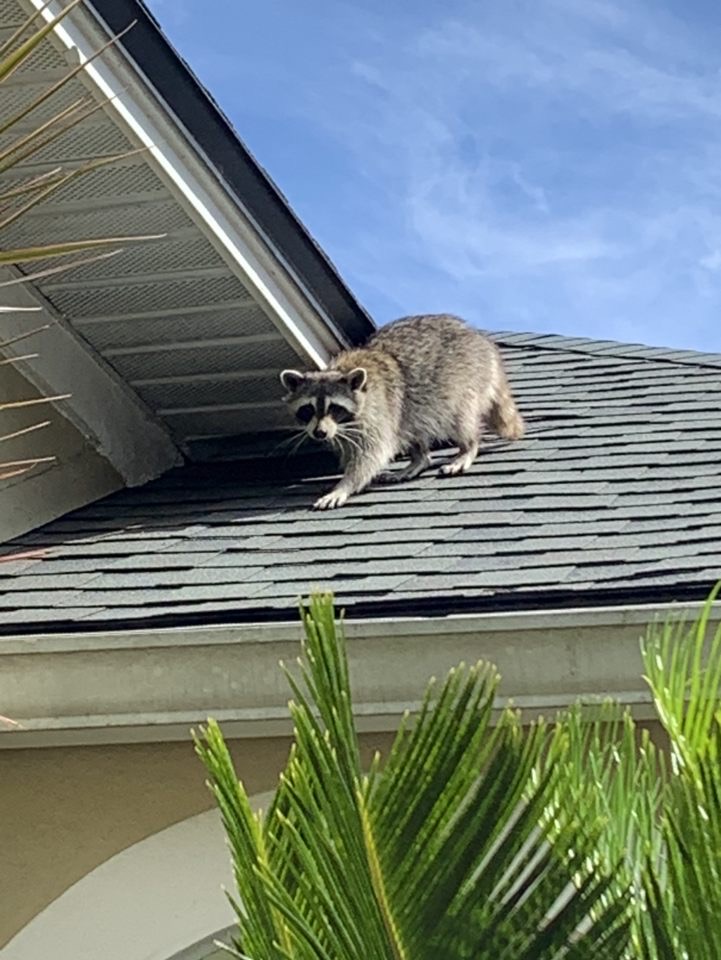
(48, 581)
(498, 579)
(341, 586)
(168, 560)
(372, 534)
(153, 579)
(48, 615)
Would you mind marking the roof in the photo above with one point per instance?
(613, 497)
(189, 330)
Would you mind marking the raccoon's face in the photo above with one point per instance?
(325, 404)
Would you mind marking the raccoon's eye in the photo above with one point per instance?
(305, 413)
(339, 413)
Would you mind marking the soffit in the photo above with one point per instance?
(173, 318)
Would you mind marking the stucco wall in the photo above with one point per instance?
(65, 810)
(77, 477)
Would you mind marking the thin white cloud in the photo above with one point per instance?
(545, 164)
(628, 228)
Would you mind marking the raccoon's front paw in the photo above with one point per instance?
(336, 498)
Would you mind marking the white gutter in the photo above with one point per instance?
(152, 685)
(180, 161)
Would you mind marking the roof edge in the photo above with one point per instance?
(443, 607)
(193, 106)
(586, 653)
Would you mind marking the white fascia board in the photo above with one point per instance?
(102, 407)
(153, 685)
(179, 160)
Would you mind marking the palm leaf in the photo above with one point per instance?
(18, 198)
(612, 774)
(14, 56)
(14, 53)
(50, 91)
(684, 910)
(21, 433)
(456, 846)
(683, 670)
(27, 254)
(683, 666)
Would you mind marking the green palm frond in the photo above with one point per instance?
(611, 772)
(684, 906)
(28, 254)
(44, 96)
(457, 846)
(683, 670)
(683, 666)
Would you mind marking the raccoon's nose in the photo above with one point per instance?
(319, 433)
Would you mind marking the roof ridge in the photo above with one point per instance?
(617, 349)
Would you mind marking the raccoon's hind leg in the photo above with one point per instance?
(420, 461)
(503, 417)
(466, 455)
(467, 436)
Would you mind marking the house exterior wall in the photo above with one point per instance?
(104, 761)
(65, 810)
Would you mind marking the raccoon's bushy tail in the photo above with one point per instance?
(504, 417)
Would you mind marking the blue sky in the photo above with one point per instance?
(547, 165)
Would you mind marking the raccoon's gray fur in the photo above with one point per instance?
(417, 381)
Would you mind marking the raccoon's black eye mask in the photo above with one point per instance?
(339, 413)
(305, 413)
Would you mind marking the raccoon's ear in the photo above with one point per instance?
(291, 380)
(357, 378)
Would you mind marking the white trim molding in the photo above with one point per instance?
(152, 685)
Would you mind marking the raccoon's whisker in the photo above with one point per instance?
(339, 449)
(349, 439)
(348, 428)
(286, 441)
(342, 444)
(354, 445)
(292, 443)
(302, 437)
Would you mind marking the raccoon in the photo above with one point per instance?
(418, 381)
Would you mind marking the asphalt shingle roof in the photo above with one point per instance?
(614, 496)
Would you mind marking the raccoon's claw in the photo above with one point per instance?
(450, 470)
(331, 500)
(387, 477)
(455, 467)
